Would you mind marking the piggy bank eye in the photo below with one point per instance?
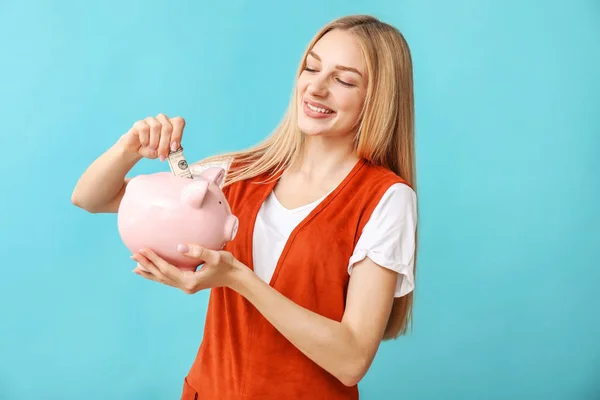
(220, 202)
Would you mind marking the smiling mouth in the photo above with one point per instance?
(318, 109)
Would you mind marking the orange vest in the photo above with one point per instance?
(242, 356)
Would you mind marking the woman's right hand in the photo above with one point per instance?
(154, 137)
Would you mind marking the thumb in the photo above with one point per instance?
(198, 252)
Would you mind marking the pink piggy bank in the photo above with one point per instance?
(161, 210)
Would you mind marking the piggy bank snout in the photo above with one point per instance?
(231, 227)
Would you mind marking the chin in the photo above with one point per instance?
(315, 127)
(312, 130)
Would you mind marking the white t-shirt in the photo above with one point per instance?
(388, 238)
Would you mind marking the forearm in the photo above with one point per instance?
(103, 179)
(329, 343)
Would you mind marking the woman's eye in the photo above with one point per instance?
(311, 70)
(345, 83)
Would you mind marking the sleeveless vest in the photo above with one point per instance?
(242, 356)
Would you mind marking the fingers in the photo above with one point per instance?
(164, 142)
(140, 267)
(178, 124)
(145, 273)
(147, 266)
(143, 131)
(200, 253)
(142, 270)
(155, 129)
(157, 135)
(163, 267)
(215, 273)
(152, 267)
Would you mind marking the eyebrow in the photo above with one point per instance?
(342, 67)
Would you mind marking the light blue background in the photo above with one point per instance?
(508, 134)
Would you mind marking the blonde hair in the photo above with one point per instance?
(385, 134)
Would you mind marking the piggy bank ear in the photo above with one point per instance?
(194, 193)
(214, 174)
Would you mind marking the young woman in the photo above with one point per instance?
(322, 267)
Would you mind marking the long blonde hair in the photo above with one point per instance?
(385, 134)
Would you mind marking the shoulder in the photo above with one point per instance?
(382, 174)
(389, 236)
(398, 197)
(395, 212)
(395, 208)
(390, 191)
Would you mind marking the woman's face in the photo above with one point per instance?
(332, 87)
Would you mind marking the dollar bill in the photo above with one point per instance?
(178, 164)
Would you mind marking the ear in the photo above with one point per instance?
(214, 174)
(194, 193)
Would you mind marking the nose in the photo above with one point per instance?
(317, 87)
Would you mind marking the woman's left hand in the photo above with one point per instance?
(218, 269)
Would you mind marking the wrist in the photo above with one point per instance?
(125, 155)
(239, 277)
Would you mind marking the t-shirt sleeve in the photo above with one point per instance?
(199, 167)
(388, 238)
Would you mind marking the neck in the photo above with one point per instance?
(325, 156)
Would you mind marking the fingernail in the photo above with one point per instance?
(174, 146)
(162, 157)
(183, 248)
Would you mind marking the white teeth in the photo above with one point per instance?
(317, 109)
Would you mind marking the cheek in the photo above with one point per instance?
(350, 102)
(301, 85)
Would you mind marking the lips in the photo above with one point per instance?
(319, 107)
